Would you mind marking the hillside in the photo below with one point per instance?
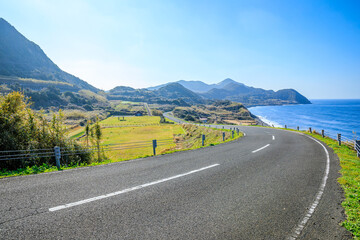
(196, 86)
(239, 92)
(21, 58)
(219, 112)
(177, 91)
(174, 94)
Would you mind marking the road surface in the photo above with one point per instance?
(261, 186)
(147, 109)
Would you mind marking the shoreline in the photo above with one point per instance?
(260, 122)
(327, 115)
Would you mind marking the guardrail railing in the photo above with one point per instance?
(58, 152)
(341, 139)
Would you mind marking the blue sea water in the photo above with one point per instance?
(334, 116)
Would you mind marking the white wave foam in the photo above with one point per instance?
(267, 121)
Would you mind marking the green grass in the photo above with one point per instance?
(144, 120)
(144, 134)
(189, 135)
(34, 80)
(349, 181)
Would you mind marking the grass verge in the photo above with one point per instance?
(349, 181)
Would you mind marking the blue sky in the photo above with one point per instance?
(311, 46)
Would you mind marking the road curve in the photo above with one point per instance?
(257, 187)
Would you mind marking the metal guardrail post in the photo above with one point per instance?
(223, 136)
(357, 147)
(203, 139)
(154, 146)
(339, 139)
(57, 156)
(323, 133)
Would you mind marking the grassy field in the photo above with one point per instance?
(144, 120)
(179, 138)
(138, 137)
(136, 133)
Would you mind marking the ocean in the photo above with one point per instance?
(334, 116)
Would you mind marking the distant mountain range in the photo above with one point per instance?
(197, 86)
(231, 90)
(22, 60)
(172, 93)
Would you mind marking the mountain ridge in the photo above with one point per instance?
(22, 58)
(232, 90)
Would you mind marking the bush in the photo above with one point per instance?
(23, 129)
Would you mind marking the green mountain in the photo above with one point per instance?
(196, 86)
(251, 96)
(173, 93)
(25, 63)
(229, 89)
(177, 91)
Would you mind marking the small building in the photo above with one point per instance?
(204, 120)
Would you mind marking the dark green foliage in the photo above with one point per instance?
(217, 112)
(23, 129)
(53, 97)
(163, 120)
(189, 118)
(143, 95)
(156, 112)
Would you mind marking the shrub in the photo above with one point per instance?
(23, 129)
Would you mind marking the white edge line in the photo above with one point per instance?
(261, 148)
(298, 229)
(53, 209)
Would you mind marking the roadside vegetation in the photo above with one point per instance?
(219, 112)
(140, 131)
(349, 181)
(25, 130)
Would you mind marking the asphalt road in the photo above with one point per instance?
(261, 186)
(147, 109)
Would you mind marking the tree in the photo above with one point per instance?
(23, 129)
(87, 132)
(97, 135)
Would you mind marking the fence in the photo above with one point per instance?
(342, 140)
(57, 153)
